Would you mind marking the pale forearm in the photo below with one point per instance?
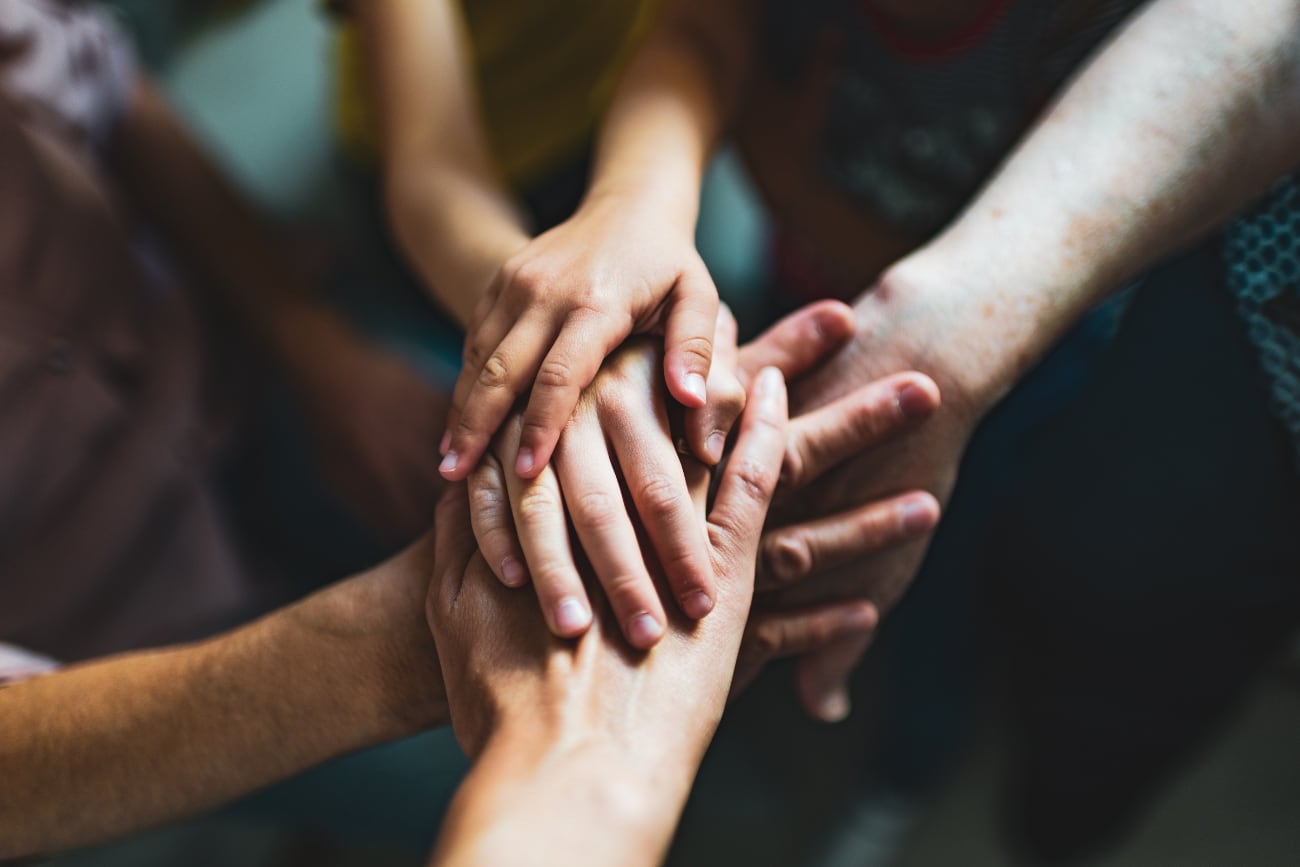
(451, 210)
(534, 801)
(1182, 120)
(103, 749)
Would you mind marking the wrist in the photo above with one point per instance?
(369, 632)
(975, 336)
(660, 198)
(535, 800)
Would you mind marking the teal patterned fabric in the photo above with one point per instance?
(1262, 255)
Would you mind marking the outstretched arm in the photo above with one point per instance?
(103, 749)
(1188, 114)
(453, 215)
(586, 749)
(625, 263)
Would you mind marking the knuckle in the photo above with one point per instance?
(527, 280)
(699, 348)
(537, 507)
(487, 500)
(755, 478)
(864, 425)
(629, 591)
(555, 373)
(551, 578)
(596, 510)
(495, 373)
(788, 559)
(660, 495)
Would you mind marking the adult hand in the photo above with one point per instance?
(556, 723)
(901, 326)
(621, 431)
(800, 543)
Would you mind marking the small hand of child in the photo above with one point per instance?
(558, 309)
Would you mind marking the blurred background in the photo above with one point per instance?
(776, 789)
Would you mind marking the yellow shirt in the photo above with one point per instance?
(545, 72)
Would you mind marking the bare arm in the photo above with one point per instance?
(1184, 118)
(451, 210)
(586, 749)
(107, 748)
(1181, 120)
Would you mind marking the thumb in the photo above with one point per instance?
(688, 337)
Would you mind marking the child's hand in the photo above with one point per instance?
(563, 304)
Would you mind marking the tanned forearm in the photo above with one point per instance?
(1183, 119)
(450, 208)
(107, 748)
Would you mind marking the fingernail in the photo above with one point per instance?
(834, 707)
(768, 384)
(913, 403)
(861, 619)
(696, 388)
(448, 464)
(697, 604)
(444, 444)
(512, 572)
(524, 462)
(714, 445)
(643, 630)
(571, 616)
(917, 518)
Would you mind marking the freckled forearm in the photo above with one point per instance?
(1182, 120)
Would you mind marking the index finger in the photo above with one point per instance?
(751, 474)
(799, 342)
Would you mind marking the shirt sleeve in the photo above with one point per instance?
(17, 664)
(69, 65)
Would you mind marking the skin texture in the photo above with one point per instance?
(1177, 122)
(111, 747)
(604, 451)
(550, 719)
(463, 232)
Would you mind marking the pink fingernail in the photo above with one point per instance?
(524, 462)
(714, 445)
(571, 616)
(444, 444)
(697, 604)
(448, 464)
(917, 518)
(834, 707)
(643, 630)
(696, 388)
(512, 572)
(913, 402)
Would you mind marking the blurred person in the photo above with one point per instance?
(991, 172)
